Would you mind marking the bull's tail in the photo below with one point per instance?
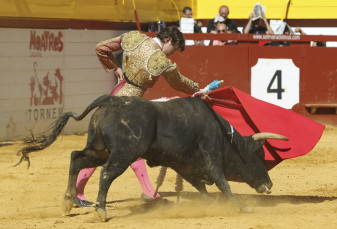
(46, 138)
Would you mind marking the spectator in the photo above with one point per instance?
(187, 13)
(299, 30)
(218, 19)
(220, 29)
(154, 26)
(284, 29)
(314, 43)
(185, 26)
(258, 25)
(199, 42)
(230, 23)
(319, 44)
(231, 42)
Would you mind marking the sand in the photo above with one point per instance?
(304, 194)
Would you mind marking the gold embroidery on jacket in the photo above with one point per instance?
(158, 63)
(134, 64)
(132, 40)
(130, 90)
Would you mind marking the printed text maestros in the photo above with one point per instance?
(46, 41)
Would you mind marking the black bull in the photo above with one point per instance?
(184, 134)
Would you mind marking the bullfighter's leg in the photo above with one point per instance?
(79, 160)
(81, 182)
(221, 182)
(139, 169)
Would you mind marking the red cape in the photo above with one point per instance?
(249, 115)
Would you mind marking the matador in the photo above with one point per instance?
(144, 60)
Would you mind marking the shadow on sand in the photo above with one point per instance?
(253, 200)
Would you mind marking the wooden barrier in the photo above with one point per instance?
(38, 66)
(45, 72)
(297, 77)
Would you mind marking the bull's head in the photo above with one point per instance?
(252, 161)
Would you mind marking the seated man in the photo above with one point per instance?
(258, 25)
(230, 23)
(222, 28)
(187, 13)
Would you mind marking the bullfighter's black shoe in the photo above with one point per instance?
(83, 203)
(147, 198)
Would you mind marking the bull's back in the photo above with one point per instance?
(179, 123)
(124, 119)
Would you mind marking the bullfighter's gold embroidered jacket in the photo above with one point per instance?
(143, 63)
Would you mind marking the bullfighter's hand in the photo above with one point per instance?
(205, 97)
(119, 75)
(202, 94)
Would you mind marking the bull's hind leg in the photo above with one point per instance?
(79, 160)
(109, 172)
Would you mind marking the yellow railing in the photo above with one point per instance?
(167, 10)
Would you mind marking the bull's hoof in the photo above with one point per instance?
(66, 206)
(207, 198)
(246, 209)
(101, 214)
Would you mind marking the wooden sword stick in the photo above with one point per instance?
(160, 179)
(179, 186)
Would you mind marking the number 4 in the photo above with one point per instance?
(279, 89)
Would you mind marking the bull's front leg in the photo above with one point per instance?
(201, 187)
(224, 187)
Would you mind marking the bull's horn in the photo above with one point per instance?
(260, 136)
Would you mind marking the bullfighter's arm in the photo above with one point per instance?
(159, 64)
(180, 82)
(105, 52)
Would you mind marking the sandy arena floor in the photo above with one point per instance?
(304, 195)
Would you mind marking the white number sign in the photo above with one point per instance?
(276, 81)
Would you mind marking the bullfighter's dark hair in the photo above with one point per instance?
(178, 39)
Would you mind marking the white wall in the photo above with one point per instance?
(25, 67)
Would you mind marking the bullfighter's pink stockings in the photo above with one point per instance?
(139, 169)
(82, 180)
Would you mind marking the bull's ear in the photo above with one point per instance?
(256, 148)
(256, 144)
(259, 143)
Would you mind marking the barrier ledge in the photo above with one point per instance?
(313, 107)
(251, 38)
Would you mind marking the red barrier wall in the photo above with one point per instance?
(317, 79)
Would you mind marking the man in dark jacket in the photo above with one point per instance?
(230, 23)
(187, 13)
